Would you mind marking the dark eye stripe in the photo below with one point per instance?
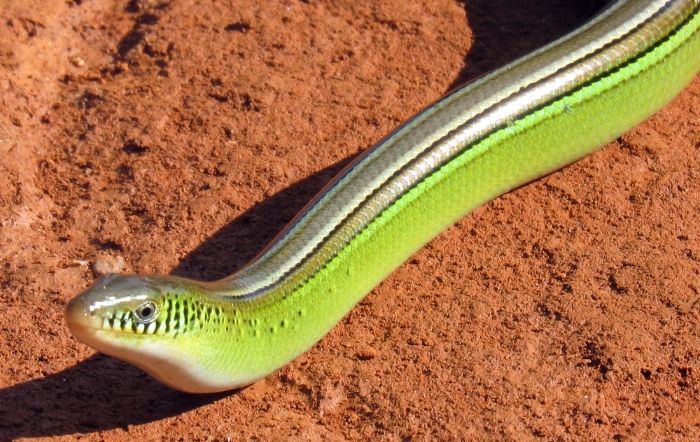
(172, 316)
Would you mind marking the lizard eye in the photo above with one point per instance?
(146, 312)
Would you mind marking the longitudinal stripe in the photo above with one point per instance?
(449, 126)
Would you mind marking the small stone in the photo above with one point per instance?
(105, 264)
(77, 61)
(122, 67)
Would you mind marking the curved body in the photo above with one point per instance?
(485, 138)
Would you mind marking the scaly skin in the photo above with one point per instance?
(521, 122)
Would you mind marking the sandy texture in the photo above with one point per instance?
(180, 136)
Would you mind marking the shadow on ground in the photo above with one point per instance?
(96, 394)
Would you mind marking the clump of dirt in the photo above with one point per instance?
(178, 137)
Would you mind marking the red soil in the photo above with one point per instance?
(181, 136)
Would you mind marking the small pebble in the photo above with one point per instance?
(77, 61)
(108, 264)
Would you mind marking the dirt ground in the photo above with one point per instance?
(181, 135)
